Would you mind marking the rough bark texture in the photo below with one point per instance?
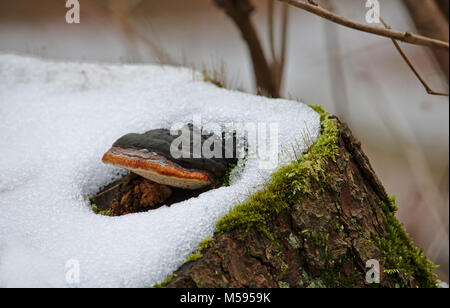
(136, 194)
(324, 240)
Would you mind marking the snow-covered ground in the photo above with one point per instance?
(57, 120)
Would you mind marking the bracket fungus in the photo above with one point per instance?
(165, 168)
(201, 161)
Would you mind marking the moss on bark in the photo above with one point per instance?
(315, 225)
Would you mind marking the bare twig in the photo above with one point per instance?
(406, 37)
(430, 21)
(239, 11)
(90, 198)
(336, 74)
(121, 13)
(402, 53)
(270, 17)
(278, 60)
(284, 30)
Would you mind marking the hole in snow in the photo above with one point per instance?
(134, 194)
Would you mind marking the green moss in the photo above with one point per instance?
(206, 243)
(291, 183)
(312, 283)
(231, 167)
(226, 178)
(195, 256)
(392, 271)
(400, 256)
(283, 285)
(215, 77)
(330, 276)
(294, 241)
(316, 284)
(288, 184)
(284, 266)
(97, 211)
(165, 282)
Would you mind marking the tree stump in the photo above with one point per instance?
(315, 225)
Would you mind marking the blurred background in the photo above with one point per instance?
(358, 76)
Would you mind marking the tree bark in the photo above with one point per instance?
(322, 241)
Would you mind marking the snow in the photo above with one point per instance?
(57, 120)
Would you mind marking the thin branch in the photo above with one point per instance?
(336, 73)
(406, 37)
(284, 31)
(239, 11)
(120, 12)
(397, 46)
(278, 60)
(275, 64)
(104, 192)
(430, 21)
(270, 15)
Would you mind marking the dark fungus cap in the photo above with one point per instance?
(149, 155)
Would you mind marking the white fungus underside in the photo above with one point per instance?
(57, 120)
